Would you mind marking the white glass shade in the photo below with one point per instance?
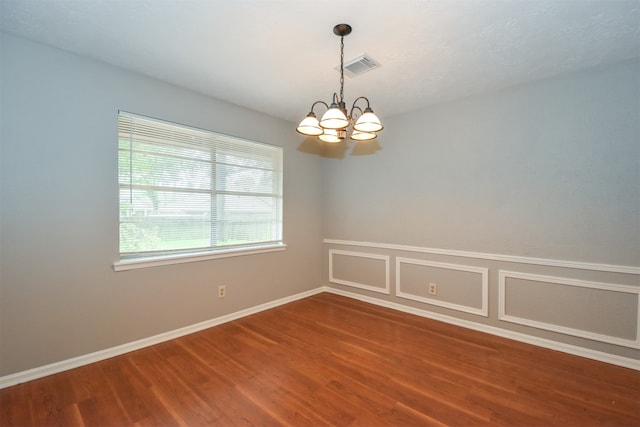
(362, 136)
(330, 135)
(334, 118)
(368, 122)
(310, 126)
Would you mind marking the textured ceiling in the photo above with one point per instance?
(278, 56)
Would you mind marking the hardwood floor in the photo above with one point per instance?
(330, 360)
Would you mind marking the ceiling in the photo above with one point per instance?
(278, 56)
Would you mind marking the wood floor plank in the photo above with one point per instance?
(328, 360)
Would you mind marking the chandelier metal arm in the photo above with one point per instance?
(336, 101)
(359, 98)
(351, 117)
(318, 102)
(354, 106)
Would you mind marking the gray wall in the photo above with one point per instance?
(548, 170)
(60, 297)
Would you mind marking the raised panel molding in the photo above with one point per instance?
(611, 268)
(484, 283)
(503, 300)
(384, 258)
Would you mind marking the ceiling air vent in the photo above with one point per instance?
(359, 65)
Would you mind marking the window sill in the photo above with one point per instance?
(136, 263)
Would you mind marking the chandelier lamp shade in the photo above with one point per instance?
(335, 123)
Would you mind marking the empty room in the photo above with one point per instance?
(336, 213)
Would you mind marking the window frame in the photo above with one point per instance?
(144, 259)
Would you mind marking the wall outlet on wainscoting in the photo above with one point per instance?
(222, 291)
(433, 289)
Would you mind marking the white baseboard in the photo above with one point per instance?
(64, 365)
(516, 336)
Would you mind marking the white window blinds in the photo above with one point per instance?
(187, 190)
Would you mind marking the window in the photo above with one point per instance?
(188, 192)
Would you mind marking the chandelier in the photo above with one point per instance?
(333, 125)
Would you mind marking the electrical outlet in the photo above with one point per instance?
(433, 289)
(222, 291)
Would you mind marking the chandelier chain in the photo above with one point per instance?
(342, 69)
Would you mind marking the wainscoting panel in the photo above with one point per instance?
(589, 306)
(458, 287)
(360, 270)
(599, 311)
